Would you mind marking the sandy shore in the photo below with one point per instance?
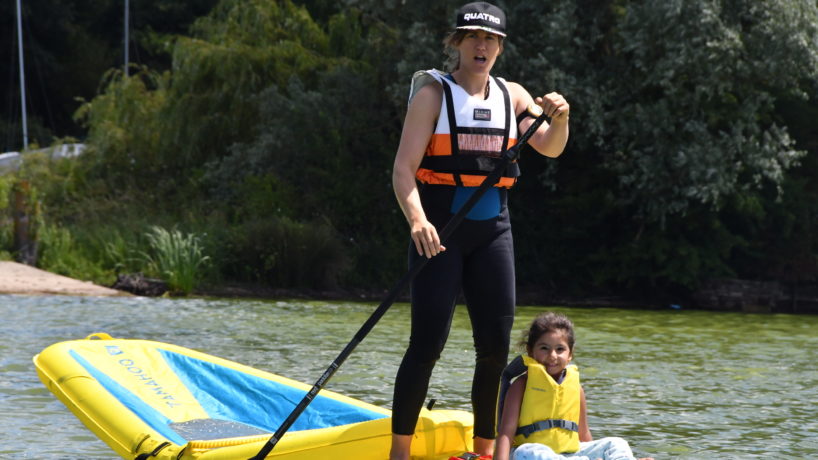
(18, 278)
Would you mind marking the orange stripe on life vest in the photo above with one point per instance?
(439, 144)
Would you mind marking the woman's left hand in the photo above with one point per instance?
(555, 106)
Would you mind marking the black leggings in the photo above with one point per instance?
(479, 258)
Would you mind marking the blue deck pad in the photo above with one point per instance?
(148, 414)
(228, 394)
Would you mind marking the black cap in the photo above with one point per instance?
(483, 16)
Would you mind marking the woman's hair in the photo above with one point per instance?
(544, 323)
(450, 44)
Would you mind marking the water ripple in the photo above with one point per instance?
(676, 384)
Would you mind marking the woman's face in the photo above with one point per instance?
(479, 50)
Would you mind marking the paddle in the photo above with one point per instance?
(505, 158)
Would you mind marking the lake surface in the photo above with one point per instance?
(674, 383)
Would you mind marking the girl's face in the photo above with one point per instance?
(479, 50)
(552, 351)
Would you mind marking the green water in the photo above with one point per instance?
(676, 384)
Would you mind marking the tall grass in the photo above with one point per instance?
(176, 258)
(62, 253)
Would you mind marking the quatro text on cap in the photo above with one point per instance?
(481, 17)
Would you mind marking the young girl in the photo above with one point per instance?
(543, 412)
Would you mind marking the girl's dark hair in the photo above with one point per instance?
(548, 322)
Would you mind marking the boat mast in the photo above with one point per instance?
(22, 75)
(127, 20)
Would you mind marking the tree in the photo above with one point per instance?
(70, 45)
(674, 114)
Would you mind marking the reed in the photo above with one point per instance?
(175, 257)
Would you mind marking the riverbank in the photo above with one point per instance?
(16, 278)
(724, 295)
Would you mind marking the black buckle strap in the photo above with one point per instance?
(528, 430)
(475, 165)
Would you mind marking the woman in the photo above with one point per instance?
(486, 114)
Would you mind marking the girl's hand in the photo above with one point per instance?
(427, 241)
(555, 106)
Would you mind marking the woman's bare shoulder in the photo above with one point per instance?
(519, 96)
(427, 100)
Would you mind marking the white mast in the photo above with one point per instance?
(22, 76)
(127, 20)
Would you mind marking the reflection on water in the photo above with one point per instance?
(676, 384)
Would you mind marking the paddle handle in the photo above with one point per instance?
(507, 157)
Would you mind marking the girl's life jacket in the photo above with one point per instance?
(549, 413)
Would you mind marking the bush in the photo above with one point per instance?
(5, 217)
(176, 258)
(286, 253)
(60, 253)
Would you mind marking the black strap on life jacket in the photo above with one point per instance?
(513, 370)
(447, 90)
(507, 104)
(478, 165)
(468, 164)
(528, 430)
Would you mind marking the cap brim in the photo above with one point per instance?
(487, 29)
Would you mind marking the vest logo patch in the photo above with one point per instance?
(482, 114)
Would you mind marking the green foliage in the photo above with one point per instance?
(273, 131)
(670, 95)
(61, 253)
(240, 49)
(710, 134)
(285, 253)
(6, 184)
(124, 128)
(6, 223)
(75, 42)
(175, 257)
(673, 118)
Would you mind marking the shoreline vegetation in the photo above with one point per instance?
(253, 150)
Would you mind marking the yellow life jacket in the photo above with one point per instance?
(550, 411)
(470, 135)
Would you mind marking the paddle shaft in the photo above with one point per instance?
(506, 157)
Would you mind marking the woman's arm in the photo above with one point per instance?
(584, 429)
(417, 130)
(550, 139)
(509, 420)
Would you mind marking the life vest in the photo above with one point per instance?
(470, 135)
(550, 412)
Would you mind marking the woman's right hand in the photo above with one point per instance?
(417, 131)
(427, 241)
